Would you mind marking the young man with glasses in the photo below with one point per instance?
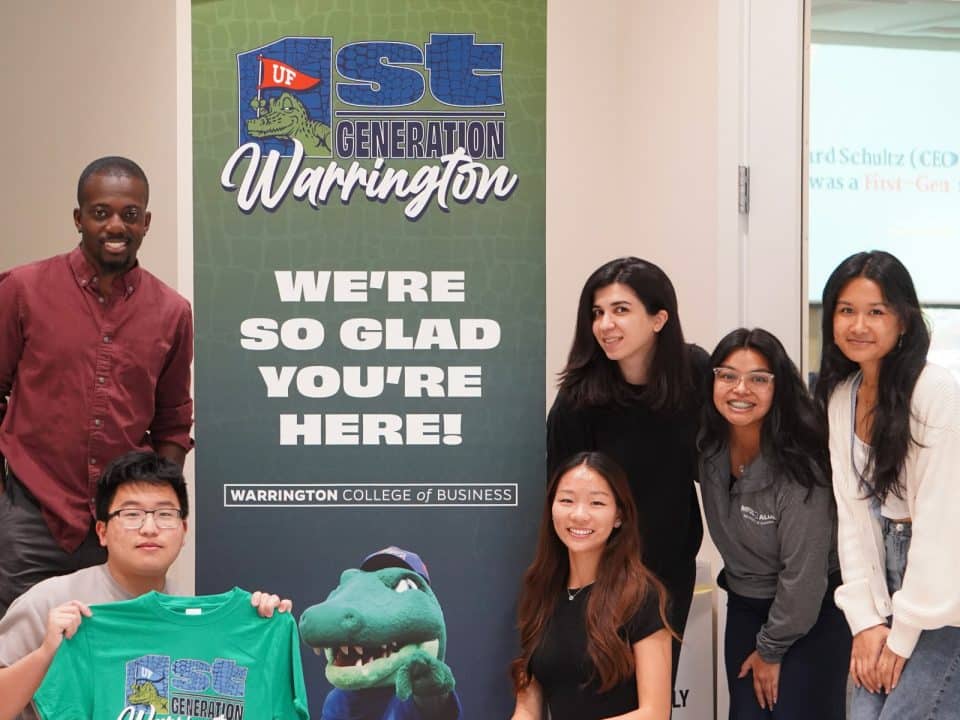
(141, 510)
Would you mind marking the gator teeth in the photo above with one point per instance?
(359, 656)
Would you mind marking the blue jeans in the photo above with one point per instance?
(929, 688)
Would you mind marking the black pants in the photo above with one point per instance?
(813, 674)
(28, 552)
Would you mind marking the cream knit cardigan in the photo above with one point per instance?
(930, 596)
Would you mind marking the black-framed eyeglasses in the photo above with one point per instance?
(757, 379)
(134, 518)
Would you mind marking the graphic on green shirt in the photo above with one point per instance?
(145, 693)
(159, 657)
(187, 686)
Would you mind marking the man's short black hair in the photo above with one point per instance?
(111, 165)
(139, 467)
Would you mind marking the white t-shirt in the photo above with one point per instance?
(894, 508)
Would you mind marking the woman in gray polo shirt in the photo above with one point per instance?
(764, 475)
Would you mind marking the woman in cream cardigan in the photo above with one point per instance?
(894, 426)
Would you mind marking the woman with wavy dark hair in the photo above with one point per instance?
(594, 636)
(894, 424)
(632, 388)
(764, 476)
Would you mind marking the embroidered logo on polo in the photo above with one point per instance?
(757, 517)
(160, 686)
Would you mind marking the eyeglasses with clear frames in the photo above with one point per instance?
(756, 380)
(134, 518)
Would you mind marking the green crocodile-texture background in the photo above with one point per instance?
(475, 555)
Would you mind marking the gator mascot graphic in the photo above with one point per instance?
(285, 117)
(145, 693)
(384, 638)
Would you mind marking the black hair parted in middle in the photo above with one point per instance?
(793, 436)
(899, 369)
(590, 378)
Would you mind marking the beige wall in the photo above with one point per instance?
(85, 79)
(632, 136)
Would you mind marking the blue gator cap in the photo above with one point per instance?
(395, 557)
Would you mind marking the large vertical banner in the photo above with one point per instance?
(369, 295)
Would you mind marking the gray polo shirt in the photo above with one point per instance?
(775, 543)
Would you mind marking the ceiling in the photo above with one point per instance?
(921, 23)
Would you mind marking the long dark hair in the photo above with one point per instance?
(793, 437)
(890, 437)
(621, 586)
(590, 378)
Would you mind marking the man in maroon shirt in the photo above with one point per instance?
(95, 357)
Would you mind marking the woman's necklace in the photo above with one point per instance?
(741, 468)
(571, 594)
(866, 404)
(739, 461)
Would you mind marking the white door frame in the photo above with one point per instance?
(762, 255)
(760, 106)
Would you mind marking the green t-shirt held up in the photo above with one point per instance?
(160, 656)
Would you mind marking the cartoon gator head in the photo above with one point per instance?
(286, 117)
(376, 620)
(145, 693)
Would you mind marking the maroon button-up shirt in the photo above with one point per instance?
(85, 378)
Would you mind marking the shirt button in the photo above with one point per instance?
(106, 338)
(93, 461)
(98, 422)
(101, 379)
(129, 288)
(101, 300)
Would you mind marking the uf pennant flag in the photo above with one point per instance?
(276, 74)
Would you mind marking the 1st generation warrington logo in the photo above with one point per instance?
(440, 105)
(160, 686)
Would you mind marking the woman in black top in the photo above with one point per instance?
(594, 639)
(632, 388)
